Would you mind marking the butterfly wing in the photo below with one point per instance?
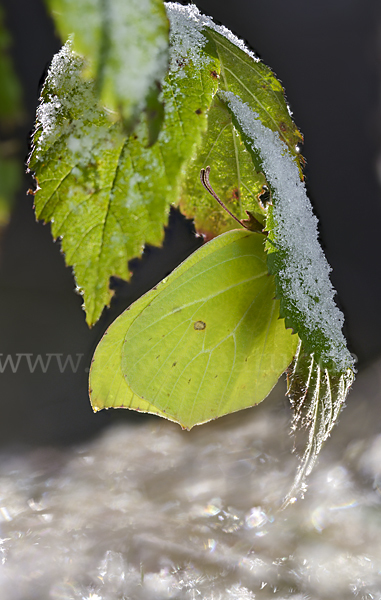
(210, 342)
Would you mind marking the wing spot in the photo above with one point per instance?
(174, 364)
(199, 325)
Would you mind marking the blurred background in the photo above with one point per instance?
(327, 54)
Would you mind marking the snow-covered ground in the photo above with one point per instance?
(151, 512)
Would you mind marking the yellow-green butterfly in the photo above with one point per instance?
(205, 342)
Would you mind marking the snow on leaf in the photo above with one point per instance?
(295, 256)
(189, 22)
(125, 43)
(106, 194)
(317, 397)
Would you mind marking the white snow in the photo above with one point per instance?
(186, 39)
(69, 108)
(305, 278)
(62, 81)
(187, 24)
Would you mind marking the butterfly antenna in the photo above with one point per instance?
(204, 176)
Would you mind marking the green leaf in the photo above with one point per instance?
(233, 177)
(109, 194)
(211, 341)
(317, 397)
(105, 194)
(125, 43)
(257, 86)
(236, 171)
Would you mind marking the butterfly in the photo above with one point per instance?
(205, 342)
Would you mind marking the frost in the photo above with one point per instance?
(69, 105)
(186, 25)
(304, 278)
(186, 39)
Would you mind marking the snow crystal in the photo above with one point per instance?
(68, 107)
(186, 39)
(305, 277)
(60, 96)
(186, 25)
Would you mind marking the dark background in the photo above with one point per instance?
(327, 53)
